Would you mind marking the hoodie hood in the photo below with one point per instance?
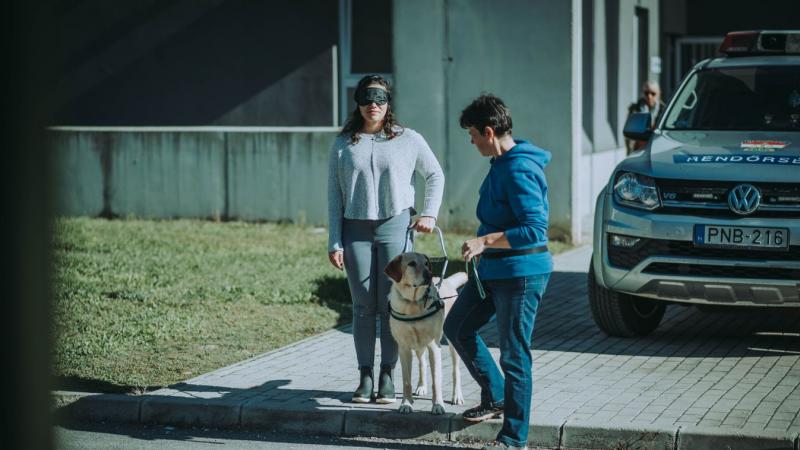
(522, 151)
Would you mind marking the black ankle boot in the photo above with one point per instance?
(385, 386)
(363, 393)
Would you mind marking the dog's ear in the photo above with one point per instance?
(394, 270)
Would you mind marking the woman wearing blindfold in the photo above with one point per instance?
(371, 174)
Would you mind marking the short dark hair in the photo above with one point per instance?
(487, 111)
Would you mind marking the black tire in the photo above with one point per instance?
(623, 315)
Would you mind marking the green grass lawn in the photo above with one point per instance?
(141, 304)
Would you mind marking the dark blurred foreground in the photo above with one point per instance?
(25, 222)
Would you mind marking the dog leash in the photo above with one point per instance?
(481, 292)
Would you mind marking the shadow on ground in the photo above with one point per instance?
(564, 323)
(146, 435)
(269, 407)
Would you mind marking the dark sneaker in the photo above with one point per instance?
(482, 412)
(363, 393)
(385, 386)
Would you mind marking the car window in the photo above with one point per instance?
(742, 98)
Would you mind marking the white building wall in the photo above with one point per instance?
(605, 148)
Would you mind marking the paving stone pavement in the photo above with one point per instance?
(705, 374)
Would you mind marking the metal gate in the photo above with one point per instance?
(690, 51)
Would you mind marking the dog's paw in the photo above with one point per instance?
(405, 408)
(421, 391)
(437, 409)
(458, 399)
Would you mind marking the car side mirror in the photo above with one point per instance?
(637, 127)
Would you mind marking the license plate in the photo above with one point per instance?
(741, 237)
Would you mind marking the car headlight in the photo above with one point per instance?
(636, 190)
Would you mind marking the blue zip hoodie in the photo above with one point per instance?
(513, 199)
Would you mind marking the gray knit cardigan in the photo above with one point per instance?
(374, 179)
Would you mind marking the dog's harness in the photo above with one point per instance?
(434, 308)
(436, 305)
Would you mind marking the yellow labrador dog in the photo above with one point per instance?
(418, 309)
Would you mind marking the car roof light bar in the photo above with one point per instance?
(748, 43)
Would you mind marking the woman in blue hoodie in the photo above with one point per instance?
(513, 269)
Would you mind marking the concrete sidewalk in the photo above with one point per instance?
(701, 380)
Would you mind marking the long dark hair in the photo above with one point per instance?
(355, 123)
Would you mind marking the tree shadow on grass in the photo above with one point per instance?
(333, 293)
(80, 384)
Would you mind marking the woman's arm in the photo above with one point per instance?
(526, 196)
(335, 210)
(428, 167)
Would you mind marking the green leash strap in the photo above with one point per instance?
(481, 292)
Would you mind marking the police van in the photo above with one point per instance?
(708, 212)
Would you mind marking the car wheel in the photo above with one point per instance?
(624, 315)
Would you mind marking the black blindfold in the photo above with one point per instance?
(372, 95)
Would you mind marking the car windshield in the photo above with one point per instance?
(740, 98)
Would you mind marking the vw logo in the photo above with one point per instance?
(744, 199)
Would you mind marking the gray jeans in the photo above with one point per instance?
(369, 245)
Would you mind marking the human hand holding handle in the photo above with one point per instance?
(424, 224)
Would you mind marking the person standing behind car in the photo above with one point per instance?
(514, 269)
(370, 204)
(649, 102)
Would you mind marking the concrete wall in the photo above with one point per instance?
(448, 52)
(565, 68)
(420, 97)
(245, 173)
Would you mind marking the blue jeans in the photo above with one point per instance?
(514, 303)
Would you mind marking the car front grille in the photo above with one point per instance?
(700, 270)
(710, 198)
(629, 258)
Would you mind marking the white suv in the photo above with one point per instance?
(708, 213)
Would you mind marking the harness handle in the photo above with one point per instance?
(409, 246)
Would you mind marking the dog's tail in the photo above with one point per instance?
(456, 280)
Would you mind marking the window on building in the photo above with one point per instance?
(365, 46)
(371, 34)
